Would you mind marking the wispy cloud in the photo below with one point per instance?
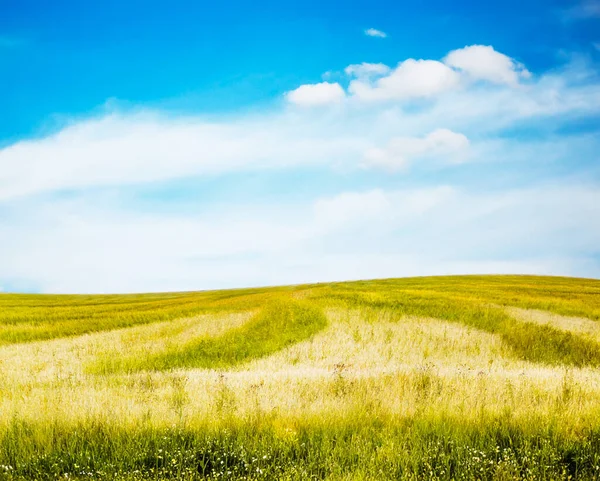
(87, 245)
(69, 222)
(366, 69)
(120, 149)
(373, 32)
(583, 10)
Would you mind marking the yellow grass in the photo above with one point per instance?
(576, 325)
(370, 364)
(356, 360)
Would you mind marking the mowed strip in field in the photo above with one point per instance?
(26, 318)
(490, 377)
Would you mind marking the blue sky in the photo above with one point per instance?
(193, 145)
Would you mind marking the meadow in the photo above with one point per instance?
(441, 378)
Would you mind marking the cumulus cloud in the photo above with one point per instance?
(410, 79)
(136, 148)
(373, 32)
(317, 94)
(428, 78)
(400, 151)
(122, 148)
(482, 62)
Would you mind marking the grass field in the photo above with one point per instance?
(473, 377)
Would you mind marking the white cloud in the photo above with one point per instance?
(384, 208)
(347, 208)
(89, 246)
(400, 151)
(120, 149)
(93, 243)
(323, 93)
(373, 32)
(410, 79)
(482, 62)
(367, 70)
(414, 79)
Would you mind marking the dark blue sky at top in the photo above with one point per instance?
(67, 58)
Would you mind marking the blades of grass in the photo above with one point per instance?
(279, 324)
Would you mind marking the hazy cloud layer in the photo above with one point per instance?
(400, 151)
(430, 131)
(363, 234)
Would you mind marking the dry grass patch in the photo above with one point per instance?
(575, 325)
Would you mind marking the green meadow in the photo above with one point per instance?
(441, 378)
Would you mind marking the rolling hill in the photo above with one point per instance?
(463, 377)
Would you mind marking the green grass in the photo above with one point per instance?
(562, 295)
(278, 324)
(383, 449)
(26, 318)
(531, 342)
(79, 409)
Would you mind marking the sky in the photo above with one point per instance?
(169, 146)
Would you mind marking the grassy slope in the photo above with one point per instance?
(342, 381)
(25, 318)
(277, 325)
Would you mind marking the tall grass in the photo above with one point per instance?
(279, 324)
(413, 449)
(422, 378)
(529, 341)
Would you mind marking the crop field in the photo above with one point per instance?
(470, 377)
